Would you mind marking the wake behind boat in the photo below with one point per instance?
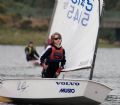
(34, 63)
(78, 22)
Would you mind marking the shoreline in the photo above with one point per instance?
(101, 44)
(18, 37)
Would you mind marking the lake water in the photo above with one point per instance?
(106, 71)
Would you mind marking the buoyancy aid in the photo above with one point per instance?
(30, 50)
(57, 54)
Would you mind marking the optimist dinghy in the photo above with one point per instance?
(78, 21)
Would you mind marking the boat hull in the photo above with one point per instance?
(53, 91)
(59, 101)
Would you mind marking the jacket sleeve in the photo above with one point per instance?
(36, 53)
(64, 59)
(45, 55)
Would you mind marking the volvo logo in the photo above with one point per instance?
(68, 83)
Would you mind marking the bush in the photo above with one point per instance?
(108, 34)
(2, 8)
(26, 24)
(5, 19)
(41, 28)
(16, 17)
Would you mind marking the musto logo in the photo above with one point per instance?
(67, 90)
(64, 90)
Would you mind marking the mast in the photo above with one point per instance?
(96, 47)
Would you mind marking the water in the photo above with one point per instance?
(107, 66)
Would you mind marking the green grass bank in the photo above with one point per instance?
(15, 36)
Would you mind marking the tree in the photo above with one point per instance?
(117, 7)
(2, 8)
(110, 4)
(44, 3)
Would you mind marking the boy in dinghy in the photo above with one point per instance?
(53, 59)
(31, 53)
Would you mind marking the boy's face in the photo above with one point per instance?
(57, 40)
(31, 44)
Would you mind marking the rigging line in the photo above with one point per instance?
(96, 46)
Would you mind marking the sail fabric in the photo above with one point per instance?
(78, 23)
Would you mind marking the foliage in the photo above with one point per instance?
(110, 4)
(2, 8)
(5, 19)
(14, 36)
(108, 34)
(17, 15)
(26, 24)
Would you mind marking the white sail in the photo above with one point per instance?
(78, 23)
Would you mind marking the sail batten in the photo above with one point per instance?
(78, 23)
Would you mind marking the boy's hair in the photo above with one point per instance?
(53, 36)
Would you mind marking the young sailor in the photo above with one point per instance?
(31, 53)
(53, 59)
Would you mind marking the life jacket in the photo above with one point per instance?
(57, 54)
(30, 50)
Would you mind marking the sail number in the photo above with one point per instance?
(88, 7)
(77, 14)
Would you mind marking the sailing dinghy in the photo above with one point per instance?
(78, 22)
